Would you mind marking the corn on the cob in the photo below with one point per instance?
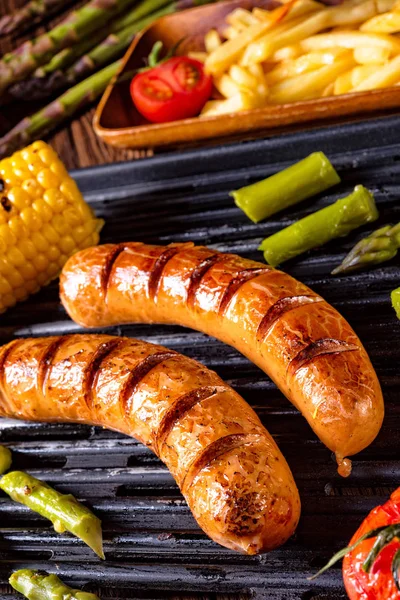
(43, 221)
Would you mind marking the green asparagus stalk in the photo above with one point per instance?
(381, 246)
(33, 11)
(64, 511)
(317, 229)
(302, 180)
(395, 296)
(111, 48)
(41, 123)
(36, 585)
(87, 57)
(81, 23)
(143, 9)
(5, 459)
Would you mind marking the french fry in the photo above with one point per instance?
(226, 86)
(300, 8)
(342, 84)
(230, 32)
(225, 55)
(328, 91)
(308, 85)
(287, 52)
(385, 76)
(304, 64)
(383, 6)
(200, 56)
(241, 18)
(244, 100)
(355, 39)
(361, 73)
(243, 77)
(345, 15)
(212, 40)
(367, 56)
(258, 51)
(387, 23)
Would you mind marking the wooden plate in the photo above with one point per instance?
(118, 123)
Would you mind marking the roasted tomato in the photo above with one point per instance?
(175, 89)
(382, 552)
(371, 565)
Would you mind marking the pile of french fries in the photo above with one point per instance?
(302, 50)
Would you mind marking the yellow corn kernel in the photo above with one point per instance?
(43, 209)
(28, 249)
(40, 262)
(19, 198)
(43, 221)
(56, 200)
(33, 188)
(48, 179)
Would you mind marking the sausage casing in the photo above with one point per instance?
(290, 332)
(232, 474)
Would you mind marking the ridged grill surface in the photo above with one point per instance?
(154, 548)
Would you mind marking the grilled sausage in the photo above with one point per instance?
(233, 476)
(298, 339)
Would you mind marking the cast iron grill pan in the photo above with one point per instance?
(153, 546)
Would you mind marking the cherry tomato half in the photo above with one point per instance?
(379, 583)
(176, 89)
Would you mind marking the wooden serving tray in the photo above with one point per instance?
(118, 123)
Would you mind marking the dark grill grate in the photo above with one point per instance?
(153, 546)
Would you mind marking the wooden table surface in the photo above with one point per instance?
(76, 142)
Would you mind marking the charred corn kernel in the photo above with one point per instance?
(43, 221)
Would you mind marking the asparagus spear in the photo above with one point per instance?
(5, 459)
(317, 229)
(37, 125)
(66, 513)
(54, 76)
(36, 585)
(81, 23)
(111, 48)
(395, 296)
(380, 246)
(24, 17)
(302, 180)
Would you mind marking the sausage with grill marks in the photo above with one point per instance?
(290, 332)
(233, 476)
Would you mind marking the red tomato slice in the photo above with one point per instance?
(379, 583)
(176, 89)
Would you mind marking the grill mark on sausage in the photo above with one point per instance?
(179, 408)
(4, 356)
(108, 266)
(198, 274)
(235, 284)
(46, 362)
(92, 369)
(214, 451)
(277, 310)
(138, 373)
(318, 348)
(157, 271)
